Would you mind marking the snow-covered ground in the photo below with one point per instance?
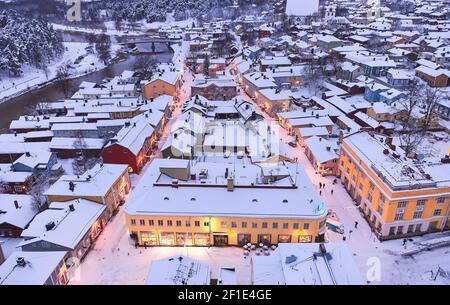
(33, 77)
(127, 29)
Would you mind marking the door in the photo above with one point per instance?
(220, 240)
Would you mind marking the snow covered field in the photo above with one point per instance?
(33, 77)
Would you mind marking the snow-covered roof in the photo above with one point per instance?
(20, 216)
(74, 143)
(302, 7)
(322, 149)
(313, 131)
(307, 264)
(34, 158)
(94, 182)
(178, 270)
(70, 227)
(39, 266)
(290, 197)
(395, 169)
(133, 136)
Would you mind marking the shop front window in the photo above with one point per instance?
(264, 239)
(284, 238)
(304, 238)
(185, 239)
(201, 239)
(167, 239)
(149, 238)
(244, 239)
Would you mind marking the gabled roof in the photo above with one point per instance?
(70, 227)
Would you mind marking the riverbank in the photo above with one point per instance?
(34, 78)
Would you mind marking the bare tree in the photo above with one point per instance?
(37, 189)
(410, 133)
(145, 64)
(62, 74)
(313, 76)
(80, 163)
(430, 100)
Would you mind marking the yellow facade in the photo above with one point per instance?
(112, 199)
(393, 213)
(159, 87)
(221, 231)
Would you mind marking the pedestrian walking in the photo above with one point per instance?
(332, 191)
(320, 185)
(323, 185)
(356, 225)
(320, 192)
(404, 241)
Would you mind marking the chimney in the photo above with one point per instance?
(72, 207)
(328, 148)
(71, 186)
(16, 204)
(49, 226)
(20, 261)
(230, 184)
(28, 154)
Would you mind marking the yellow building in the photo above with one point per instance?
(106, 184)
(166, 81)
(399, 197)
(222, 204)
(273, 100)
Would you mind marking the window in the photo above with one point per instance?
(419, 227)
(178, 222)
(410, 228)
(160, 222)
(306, 226)
(361, 186)
(254, 225)
(400, 230)
(244, 225)
(264, 225)
(392, 230)
(285, 226)
(370, 193)
(197, 223)
(398, 216)
(275, 225)
(233, 224)
(296, 226)
(402, 204)
(440, 200)
(187, 223)
(151, 222)
(437, 212)
(142, 222)
(133, 222)
(223, 224)
(169, 223)
(206, 224)
(420, 203)
(417, 215)
(381, 205)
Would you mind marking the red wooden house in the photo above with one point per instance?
(132, 145)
